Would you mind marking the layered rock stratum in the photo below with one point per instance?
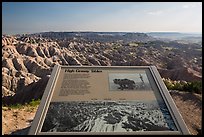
(28, 60)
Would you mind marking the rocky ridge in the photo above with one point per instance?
(27, 61)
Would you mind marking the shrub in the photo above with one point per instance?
(193, 87)
(178, 86)
(168, 84)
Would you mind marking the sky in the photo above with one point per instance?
(33, 17)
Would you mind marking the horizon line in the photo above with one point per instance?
(108, 31)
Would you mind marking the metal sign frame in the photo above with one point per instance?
(39, 118)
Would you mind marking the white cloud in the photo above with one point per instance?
(192, 5)
(186, 6)
(158, 12)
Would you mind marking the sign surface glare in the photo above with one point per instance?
(107, 100)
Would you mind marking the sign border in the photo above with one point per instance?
(46, 98)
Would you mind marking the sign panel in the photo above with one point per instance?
(107, 100)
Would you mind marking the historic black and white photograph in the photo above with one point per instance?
(128, 81)
(107, 116)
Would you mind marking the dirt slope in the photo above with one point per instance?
(190, 107)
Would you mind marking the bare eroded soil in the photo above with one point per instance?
(190, 107)
(17, 121)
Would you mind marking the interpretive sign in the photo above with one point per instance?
(107, 100)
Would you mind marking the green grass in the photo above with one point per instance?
(16, 106)
(32, 103)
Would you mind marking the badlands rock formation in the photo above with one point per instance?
(27, 60)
